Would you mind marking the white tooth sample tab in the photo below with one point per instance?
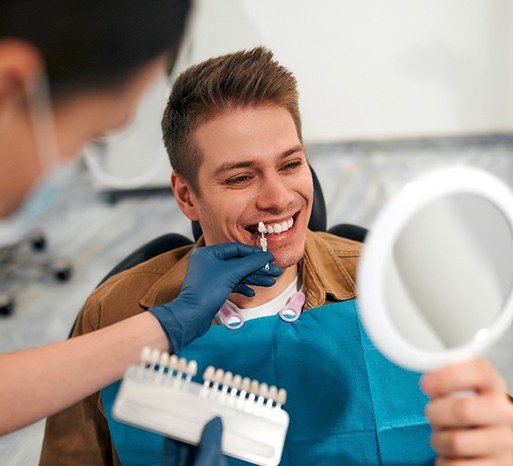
(263, 243)
(263, 240)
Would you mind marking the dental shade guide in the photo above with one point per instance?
(159, 395)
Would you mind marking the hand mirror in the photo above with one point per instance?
(435, 278)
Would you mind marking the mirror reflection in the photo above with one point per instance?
(449, 272)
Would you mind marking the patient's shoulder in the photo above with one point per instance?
(123, 295)
(143, 275)
(342, 247)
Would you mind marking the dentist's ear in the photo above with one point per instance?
(21, 68)
(184, 195)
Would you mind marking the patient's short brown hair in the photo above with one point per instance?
(242, 79)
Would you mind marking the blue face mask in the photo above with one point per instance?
(40, 155)
(43, 127)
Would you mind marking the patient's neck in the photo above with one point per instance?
(265, 294)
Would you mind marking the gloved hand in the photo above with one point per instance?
(213, 273)
(207, 453)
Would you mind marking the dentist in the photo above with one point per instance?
(69, 71)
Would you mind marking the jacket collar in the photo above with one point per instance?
(324, 275)
(168, 286)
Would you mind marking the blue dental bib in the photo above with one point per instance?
(348, 405)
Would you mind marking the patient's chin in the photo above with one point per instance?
(286, 259)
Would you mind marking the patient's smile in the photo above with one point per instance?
(275, 228)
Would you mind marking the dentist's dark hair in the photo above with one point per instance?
(94, 44)
(237, 80)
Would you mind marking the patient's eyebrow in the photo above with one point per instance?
(224, 167)
(292, 150)
(227, 166)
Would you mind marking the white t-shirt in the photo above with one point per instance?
(271, 307)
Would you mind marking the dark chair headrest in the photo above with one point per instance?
(317, 219)
(347, 230)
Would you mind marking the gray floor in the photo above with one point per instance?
(94, 235)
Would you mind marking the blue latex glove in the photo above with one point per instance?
(207, 453)
(213, 273)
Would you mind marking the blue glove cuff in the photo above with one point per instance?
(171, 326)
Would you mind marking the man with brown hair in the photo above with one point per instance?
(233, 132)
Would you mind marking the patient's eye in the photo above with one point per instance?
(292, 165)
(238, 180)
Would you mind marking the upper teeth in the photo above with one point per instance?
(275, 227)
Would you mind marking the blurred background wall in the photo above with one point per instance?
(367, 70)
(372, 69)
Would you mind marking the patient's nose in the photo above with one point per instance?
(275, 194)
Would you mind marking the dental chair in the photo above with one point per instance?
(169, 241)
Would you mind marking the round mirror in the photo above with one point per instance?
(435, 278)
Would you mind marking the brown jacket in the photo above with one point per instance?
(80, 435)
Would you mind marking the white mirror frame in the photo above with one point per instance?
(377, 249)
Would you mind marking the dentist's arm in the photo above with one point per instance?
(39, 382)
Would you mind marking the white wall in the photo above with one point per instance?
(378, 69)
